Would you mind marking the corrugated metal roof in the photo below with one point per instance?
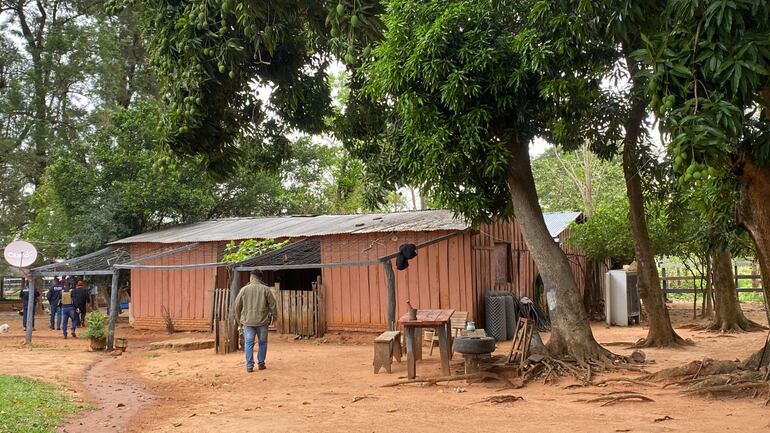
(321, 225)
(558, 221)
(302, 226)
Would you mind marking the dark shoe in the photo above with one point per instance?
(51, 328)
(58, 328)
(65, 336)
(249, 369)
(74, 335)
(262, 367)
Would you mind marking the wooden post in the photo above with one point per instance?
(665, 283)
(2, 288)
(233, 292)
(113, 309)
(735, 273)
(390, 277)
(231, 329)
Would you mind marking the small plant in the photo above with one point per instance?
(238, 252)
(97, 325)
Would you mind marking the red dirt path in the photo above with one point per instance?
(310, 386)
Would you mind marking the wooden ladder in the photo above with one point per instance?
(521, 340)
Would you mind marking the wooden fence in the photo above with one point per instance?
(301, 312)
(695, 281)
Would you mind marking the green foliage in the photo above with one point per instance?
(97, 325)
(209, 55)
(31, 406)
(239, 251)
(465, 86)
(709, 65)
(566, 180)
(607, 235)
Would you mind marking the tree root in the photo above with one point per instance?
(498, 399)
(622, 379)
(674, 341)
(613, 399)
(728, 388)
(482, 375)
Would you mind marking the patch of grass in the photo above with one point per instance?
(152, 355)
(31, 406)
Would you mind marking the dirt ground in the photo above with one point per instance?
(310, 385)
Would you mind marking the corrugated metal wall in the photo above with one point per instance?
(357, 296)
(185, 293)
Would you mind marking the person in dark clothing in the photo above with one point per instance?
(54, 302)
(68, 312)
(25, 303)
(80, 299)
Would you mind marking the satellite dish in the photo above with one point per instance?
(20, 254)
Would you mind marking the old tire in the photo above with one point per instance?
(474, 345)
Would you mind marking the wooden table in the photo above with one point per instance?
(440, 320)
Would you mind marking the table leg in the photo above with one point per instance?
(410, 361)
(443, 345)
(450, 338)
(418, 339)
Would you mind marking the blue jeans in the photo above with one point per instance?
(249, 332)
(68, 313)
(24, 317)
(55, 311)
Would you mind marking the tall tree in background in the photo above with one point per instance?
(614, 28)
(577, 180)
(469, 91)
(711, 87)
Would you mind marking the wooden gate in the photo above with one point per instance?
(301, 312)
(225, 333)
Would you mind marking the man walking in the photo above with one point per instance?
(68, 311)
(254, 309)
(80, 299)
(54, 303)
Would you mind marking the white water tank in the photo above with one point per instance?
(621, 300)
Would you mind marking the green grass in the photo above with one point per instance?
(31, 406)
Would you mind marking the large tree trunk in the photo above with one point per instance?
(661, 333)
(754, 216)
(729, 316)
(571, 333)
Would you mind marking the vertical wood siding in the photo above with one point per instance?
(357, 296)
(186, 293)
(524, 272)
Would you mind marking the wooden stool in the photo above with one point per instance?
(386, 346)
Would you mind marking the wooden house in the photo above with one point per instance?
(454, 273)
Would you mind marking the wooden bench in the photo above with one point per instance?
(387, 346)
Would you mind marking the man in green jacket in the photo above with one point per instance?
(255, 309)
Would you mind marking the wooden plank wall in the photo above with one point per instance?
(186, 293)
(524, 270)
(357, 296)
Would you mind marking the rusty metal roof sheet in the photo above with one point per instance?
(227, 229)
(557, 222)
(302, 226)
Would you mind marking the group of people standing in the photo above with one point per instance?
(68, 304)
(68, 301)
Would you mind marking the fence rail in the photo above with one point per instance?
(666, 279)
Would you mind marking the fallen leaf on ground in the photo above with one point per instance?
(665, 418)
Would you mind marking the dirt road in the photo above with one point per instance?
(311, 386)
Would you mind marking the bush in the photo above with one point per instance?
(97, 325)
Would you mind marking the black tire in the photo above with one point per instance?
(496, 325)
(474, 345)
